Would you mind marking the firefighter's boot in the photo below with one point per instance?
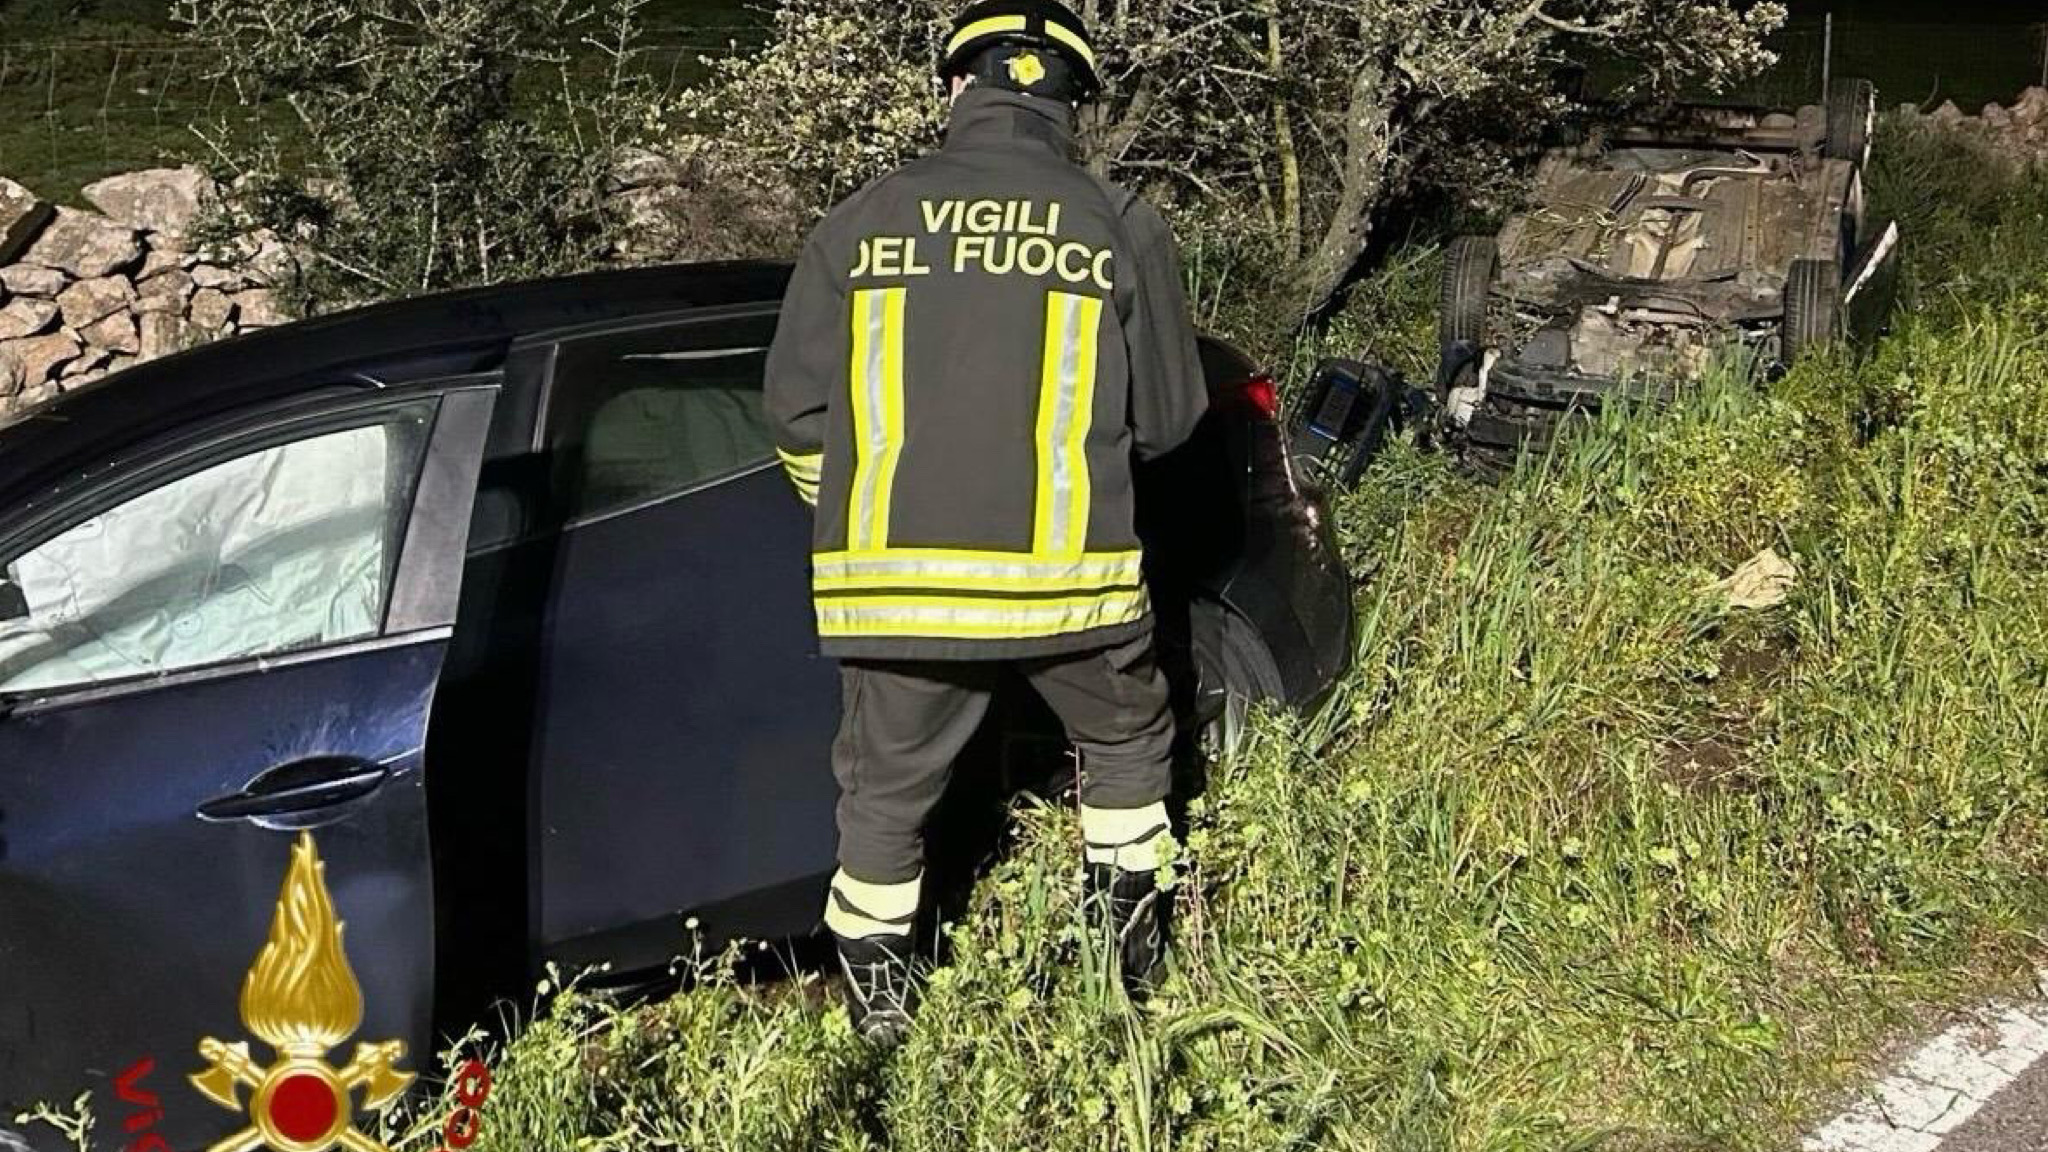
(872, 923)
(1132, 910)
(881, 988)
(1123, 888)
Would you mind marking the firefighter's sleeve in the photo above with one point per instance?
(805, 366)
(1168, 392)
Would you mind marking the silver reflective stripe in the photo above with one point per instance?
(863, 530)
(1063, 420)
(1093, 570)
(992, 618)
(1066, 403)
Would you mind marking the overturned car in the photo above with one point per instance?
(1651, 249)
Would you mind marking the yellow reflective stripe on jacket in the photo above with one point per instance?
(946, 569)
(803, 467)
(805, 471)
(877, 413)
(998, 24)
(1066, 410)
(984, 617)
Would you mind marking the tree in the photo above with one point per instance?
(417, 158)
(1276, 126)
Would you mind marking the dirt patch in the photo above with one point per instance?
(1747, 668)
(1707, 764)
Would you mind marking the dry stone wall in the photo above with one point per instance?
(86, 293)
(2018, 133)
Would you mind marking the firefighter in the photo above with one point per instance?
(972, 352)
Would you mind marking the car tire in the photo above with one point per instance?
(1234, 664)
(1813, 309)
(1852, 117)
(1470, 265)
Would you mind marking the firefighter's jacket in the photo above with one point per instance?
(972, 351)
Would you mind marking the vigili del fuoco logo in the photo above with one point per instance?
(302, 999)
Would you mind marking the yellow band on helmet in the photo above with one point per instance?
(997, 25)
(1072, 39)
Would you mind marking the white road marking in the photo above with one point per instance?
(1941, 1084)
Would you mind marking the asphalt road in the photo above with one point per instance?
(1979, 1086)
(2015, 1120)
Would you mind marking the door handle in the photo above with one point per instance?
(301, 794)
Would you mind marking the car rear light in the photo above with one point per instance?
(1258, 395)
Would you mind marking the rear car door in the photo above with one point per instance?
(217, 658)
(685, 713)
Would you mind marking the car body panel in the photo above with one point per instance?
(131, 920)
(641, 742)
(130, 926)
(1644, 215)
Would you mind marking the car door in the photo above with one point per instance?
(683, 713)
(217, 657)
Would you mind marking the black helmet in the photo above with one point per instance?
(1023, 25)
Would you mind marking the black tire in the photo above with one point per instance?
(1237, 671)
(1470, 265)
(1852, 114)
(1813, 309)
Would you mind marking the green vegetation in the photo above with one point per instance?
(1579, 857)
(87, 95)
(91, 88)
(1283, 129)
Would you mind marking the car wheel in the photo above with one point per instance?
(1237, 672)
(1852, 119)
(1813, 309)
(1470, 265)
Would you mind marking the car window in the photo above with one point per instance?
(638, 416)
(279, 549)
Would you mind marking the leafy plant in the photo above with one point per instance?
(412, 166)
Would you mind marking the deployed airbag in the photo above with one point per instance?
(279, 550)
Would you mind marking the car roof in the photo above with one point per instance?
(444, 334)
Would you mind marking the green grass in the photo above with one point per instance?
(1578, 858)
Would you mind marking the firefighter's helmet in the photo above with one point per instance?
(1037, 47)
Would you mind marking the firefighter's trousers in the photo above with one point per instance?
(903, 724)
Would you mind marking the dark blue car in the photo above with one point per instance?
(500, 601)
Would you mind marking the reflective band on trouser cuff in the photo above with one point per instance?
(856, 910)
(1127, 838)
(1066, 409)
(877, 413)
(941, 569)
(966, 616)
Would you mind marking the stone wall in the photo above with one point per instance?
(87, 293)
(2019, 133)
